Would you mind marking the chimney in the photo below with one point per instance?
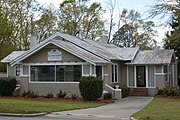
(33, 41)
(80, 34)
(104, 39)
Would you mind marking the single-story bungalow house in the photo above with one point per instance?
(61, 60)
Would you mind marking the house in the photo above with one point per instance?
(59, 62)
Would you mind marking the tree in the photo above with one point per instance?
(75, 16)
(112, 5)
(92, 23)
(172, 40)
(14, 26)
(134, 32)
(46, 25)
(169, 8)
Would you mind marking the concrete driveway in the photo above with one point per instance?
(120, 110)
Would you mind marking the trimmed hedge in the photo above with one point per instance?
(7, 86)
(91, 87)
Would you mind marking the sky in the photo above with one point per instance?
(142, 6)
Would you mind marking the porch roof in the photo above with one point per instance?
(153, 57)
(13, 55)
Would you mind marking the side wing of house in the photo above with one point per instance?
(151, 70)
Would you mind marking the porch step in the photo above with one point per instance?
(139, 92)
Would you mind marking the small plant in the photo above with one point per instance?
(49, 95)
(107, 96)
(61, 94)
(167, 91)
(30, 94)
(74, 96)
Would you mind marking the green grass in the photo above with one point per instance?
(160, 109)
(29, 106)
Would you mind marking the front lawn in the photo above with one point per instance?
(29, 106)
(160, 109)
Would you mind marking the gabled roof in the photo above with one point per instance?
(153, 57)
(103, 50)
(95, 52)
(12, 56)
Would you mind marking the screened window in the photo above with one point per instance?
(151, 76)
(61, 73)
(131, 79)
(114, 73)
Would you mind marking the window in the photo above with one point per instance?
(151, 82)
(99, 71)
(131, 80)
(165, 68)
(60, 73)
(43, 73)
(18, 70)
(114, 73)
(68, 73)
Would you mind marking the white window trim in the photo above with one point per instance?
(112, 81)
(55, 72)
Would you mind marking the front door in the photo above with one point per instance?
(141, 76)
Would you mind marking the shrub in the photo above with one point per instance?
(91, 88)
(107, 96)
(7, 86)
(49, 95)
(61, 94)
(167, 91)
(74, 96)
(125, 91)
(30, 94)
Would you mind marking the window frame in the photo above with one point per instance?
(30, 81)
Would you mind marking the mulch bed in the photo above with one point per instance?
(58, 99)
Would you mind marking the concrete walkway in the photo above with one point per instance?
(120, 110)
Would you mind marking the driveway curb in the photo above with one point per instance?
(23, 115)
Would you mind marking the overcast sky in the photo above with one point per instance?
(138, 5)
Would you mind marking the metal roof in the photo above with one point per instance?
(153, 57)
(95, 52)
(12, 56)
(103, 50)
(80, 52)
